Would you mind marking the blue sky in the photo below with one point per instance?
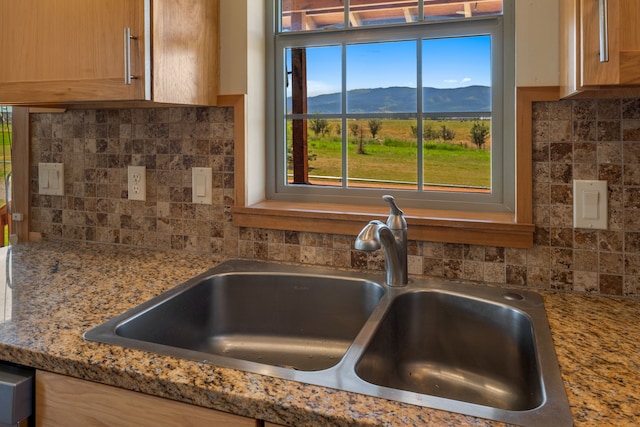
(447, 63)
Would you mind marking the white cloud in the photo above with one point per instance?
(466, 80)
(319, 88)
(315, 88)
(451, 81)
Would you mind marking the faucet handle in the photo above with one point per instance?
(396, 219)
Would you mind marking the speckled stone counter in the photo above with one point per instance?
(55, 291)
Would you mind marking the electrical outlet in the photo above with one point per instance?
(137, 182)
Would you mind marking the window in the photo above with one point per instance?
(409, 98)
(6, 133)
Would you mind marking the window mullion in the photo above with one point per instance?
(419, 119)
(347, 14)
(345, 128)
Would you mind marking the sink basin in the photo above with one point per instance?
(297, 321)
(478, 350)
(456, 347)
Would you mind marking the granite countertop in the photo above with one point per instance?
(56, 290)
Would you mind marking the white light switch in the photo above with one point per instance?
(202, 181)
(590, 204)
(51, 179)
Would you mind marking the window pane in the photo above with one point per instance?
(383, 154)
(457, 79)
(308, 15)
(450, 64)
(439, 10)
(457, 154)
(381, 78)
(323, 158)
(318, 70)
(382, 12)
(6, 132)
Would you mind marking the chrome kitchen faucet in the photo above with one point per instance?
(392, 238)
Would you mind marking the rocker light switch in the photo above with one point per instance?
(51, 179)
(202, 181)
(590, 200)
(590, 204)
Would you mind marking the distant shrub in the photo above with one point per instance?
(447, 134)
(479, 133)
(374, 127)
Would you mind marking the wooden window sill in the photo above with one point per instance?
(481, 228)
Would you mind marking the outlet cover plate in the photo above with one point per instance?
(137, 182)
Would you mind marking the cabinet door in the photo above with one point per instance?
(619, 39)
(67, 402)
(71, 50)
(185, 51)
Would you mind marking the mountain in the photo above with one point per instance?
(403, 100)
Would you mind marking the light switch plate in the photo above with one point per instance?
(590, 204)
(201, 186)
(51, 179)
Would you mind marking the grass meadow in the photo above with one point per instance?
(390, 158)
(5, 154)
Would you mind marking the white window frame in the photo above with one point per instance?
(502, 31)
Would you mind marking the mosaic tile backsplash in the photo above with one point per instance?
(578, 139)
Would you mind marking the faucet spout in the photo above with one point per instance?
(392, 238)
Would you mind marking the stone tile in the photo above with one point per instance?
(611, 262)
(538, 277)
(516, 256)
(611, 284)
(453, 269)
(585, 152)
(586, 261)
(610, 152)
(474, 253)
(609, 130)
(630, 109)
(584, 110)
(494, 254)
(609, 109)
(433, 267)
(415, 265)
(495, 273)
(631, 286)
(585, 281)
(473, 270)
(516, 275)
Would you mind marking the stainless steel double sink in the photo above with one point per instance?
(478, 350)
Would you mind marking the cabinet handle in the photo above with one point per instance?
(603, 6)
(127, 56)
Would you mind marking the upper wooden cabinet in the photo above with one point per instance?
(63, 51)
(600, 48)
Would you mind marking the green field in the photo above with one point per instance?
(392, 154)
(5, 154)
